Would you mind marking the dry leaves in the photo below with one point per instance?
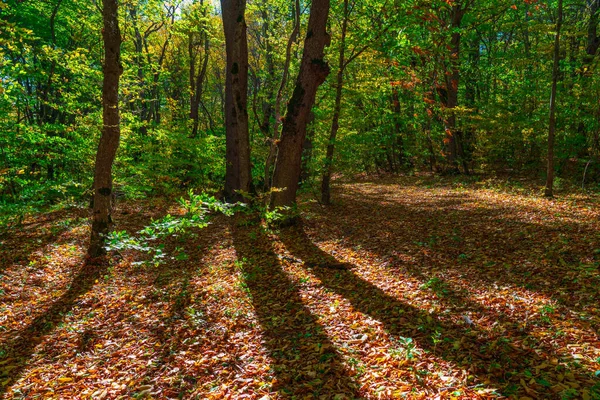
(434, 291)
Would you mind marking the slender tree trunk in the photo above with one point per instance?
(397, 140)
(237, 173)
(109, 140)
(138, 41)
(267, 102)
(548, 191)
(277, 108)
(307, 149)
(197, 80)
(155, 104)
(335, 122)
(313, 72)
(197, 83)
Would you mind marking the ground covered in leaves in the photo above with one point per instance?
(404, 288)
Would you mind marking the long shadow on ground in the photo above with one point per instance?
(21, 345)
(494, 245)
(496, 358)
(172, 284)
(304, 360)
(20, 242)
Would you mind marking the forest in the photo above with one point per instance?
(301, 199)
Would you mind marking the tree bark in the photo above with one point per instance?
(313, 72)
(452, 141)
(197, 85)
(109, 140)
(277, 108)
(335, 122)
(593, 40)
(548, 191)
(237, 172)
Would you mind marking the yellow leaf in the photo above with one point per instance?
(65, 380)
(585, 395)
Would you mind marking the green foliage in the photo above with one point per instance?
(393, 117)
(197, 209)
(199, 204)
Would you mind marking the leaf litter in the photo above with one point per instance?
(403, 288)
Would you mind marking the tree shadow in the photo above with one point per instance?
(493, 245)
(21, 345)
(497, 357)
(17, 245)
(304, 360)
(182, 317)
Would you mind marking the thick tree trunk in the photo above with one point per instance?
(548, 191)
(277, 108)
(109, 140)
(313, 72)
(335, 122)
(237, 173)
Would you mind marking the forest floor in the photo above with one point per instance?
(409, 287)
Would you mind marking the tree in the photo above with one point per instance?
(237, 175)
(343, 62)
(278, 100)
(313, 72)
(196, 38)
(109, 140)
(548, 191)
(449, 96)
(335, 124)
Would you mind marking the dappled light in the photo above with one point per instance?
(397, 290)
(274, 199)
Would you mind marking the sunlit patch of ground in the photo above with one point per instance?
(401, 289)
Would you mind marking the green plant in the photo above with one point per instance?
(405, 348)
(195, 316)
(438, 286)
(546, 312)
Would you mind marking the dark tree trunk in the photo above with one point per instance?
(453, 147)
(307, 150)
(237, 173)
(548, 191)
(593, 40)
(313, 72)
(335, 122)
(138, 42)
(277, 108)
(197, 79)
(109, 140)
(197, 86)
(397, 139)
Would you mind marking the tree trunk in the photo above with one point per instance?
(335, 122)
(237, 173)
(109, 140)
(277, 108)
(313, 72)
(593, 40)
(397, 139)
(197, 87)
(307, 150)
(452, 143)
(548, 191)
